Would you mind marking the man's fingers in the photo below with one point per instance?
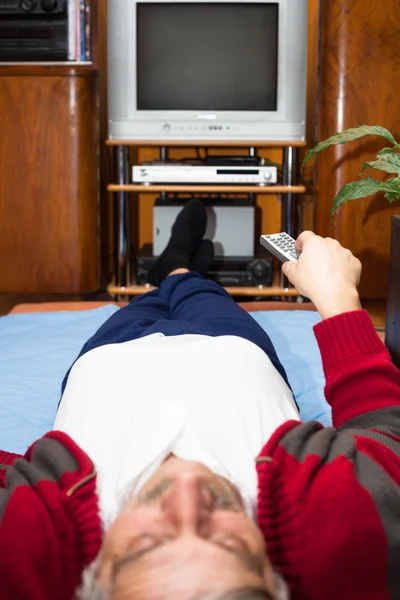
(303, 238)
(288, 268)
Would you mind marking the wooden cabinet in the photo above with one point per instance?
(52, 117)
(359, 79)
(48, 179)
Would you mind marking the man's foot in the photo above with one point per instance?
(203, 257)
(186, 235)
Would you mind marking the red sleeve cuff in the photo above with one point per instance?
(8, 458)
(346, 336)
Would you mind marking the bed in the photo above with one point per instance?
(38, 343)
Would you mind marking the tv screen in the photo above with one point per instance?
(207, 56)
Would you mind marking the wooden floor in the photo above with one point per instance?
(8, 301)
(376, 308)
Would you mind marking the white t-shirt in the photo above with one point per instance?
(213, 400)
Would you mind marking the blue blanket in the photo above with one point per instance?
(37, 349)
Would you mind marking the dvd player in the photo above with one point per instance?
(227, 271)
(181, 173)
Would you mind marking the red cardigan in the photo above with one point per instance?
(329, 498)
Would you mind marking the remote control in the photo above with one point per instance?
(281, 245)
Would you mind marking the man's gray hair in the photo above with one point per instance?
(92, 590)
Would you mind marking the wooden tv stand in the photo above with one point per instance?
(124, 281)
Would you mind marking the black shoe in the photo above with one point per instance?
(186, 235)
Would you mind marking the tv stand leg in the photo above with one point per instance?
(123, 265)
(288, 200)
(252, 196)
(164, 153)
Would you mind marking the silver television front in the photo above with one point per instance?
(207, 71)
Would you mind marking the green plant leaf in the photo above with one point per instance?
(367, 187)
(387, 150)
(392, 196)
(349, 135)
(271, 163)
(390, 163)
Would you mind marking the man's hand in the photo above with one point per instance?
(326, 273)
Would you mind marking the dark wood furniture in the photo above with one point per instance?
(392, 337)
(49, 170)
(358, 83)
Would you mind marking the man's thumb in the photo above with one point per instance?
(288, 269)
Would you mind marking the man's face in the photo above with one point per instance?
(185, 534)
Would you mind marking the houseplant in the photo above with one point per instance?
(387, 160)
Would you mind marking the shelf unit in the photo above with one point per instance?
(259, 291)
(289, 190)
(49, 174)
(206, 189)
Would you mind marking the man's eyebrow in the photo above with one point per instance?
(251, 562)
(128, 559)
(132, 556)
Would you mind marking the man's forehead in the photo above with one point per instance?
(182, 572)
(181, 552)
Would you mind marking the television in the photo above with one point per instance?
(194, 70)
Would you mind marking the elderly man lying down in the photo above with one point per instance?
(178, 467)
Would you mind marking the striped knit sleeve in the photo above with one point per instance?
(48, 460)
(345, 478)
(362, 384)
(7, 459)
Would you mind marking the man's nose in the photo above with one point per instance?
(187, 503)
